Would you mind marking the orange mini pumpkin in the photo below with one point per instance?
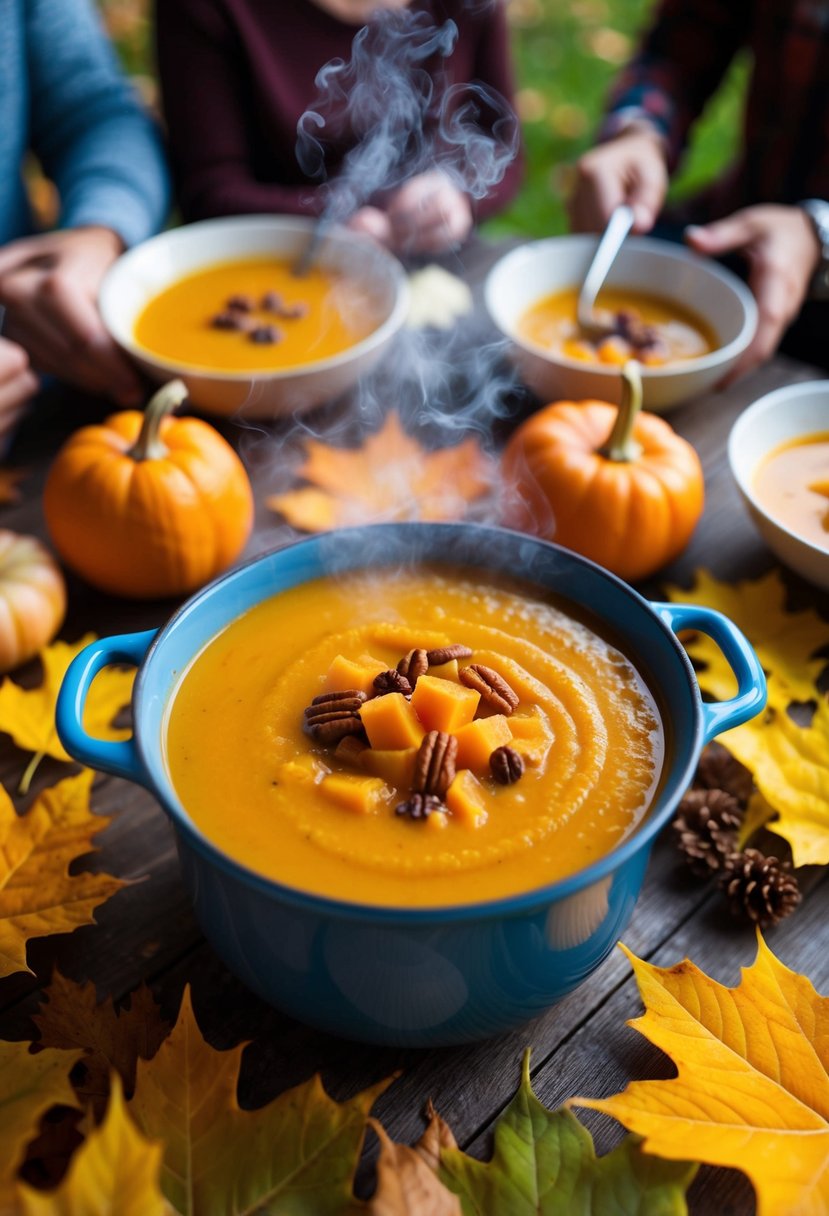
(146, 505)
(616, 485)
(32, 598)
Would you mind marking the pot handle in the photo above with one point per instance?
(119, 757)
(718, 716)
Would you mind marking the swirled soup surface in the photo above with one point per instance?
(267, 794)
(333, 313)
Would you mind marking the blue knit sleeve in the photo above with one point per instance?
(87, 127)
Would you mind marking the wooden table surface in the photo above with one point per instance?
(147, 931)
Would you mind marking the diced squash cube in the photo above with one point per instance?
(345, 674)
(396, 767)
(442, 705)
(532, 738)
(436, 822)
(478, 740)
(391, 722)
(361, 795)
(465, 799)
(449, 671)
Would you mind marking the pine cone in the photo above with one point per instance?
(762, 888)
(706, 823)
(718, 770)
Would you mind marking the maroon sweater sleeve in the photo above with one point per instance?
(236, 75)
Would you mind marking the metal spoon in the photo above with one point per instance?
(618, 227)
(308, 255)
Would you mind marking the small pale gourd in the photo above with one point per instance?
(32, 598)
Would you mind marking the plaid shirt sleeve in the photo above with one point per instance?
(680, 63)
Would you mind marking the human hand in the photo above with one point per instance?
(49, 284)
(17, 384)
(428, 214)
(628, 169)
(782, 251)
(371, 221)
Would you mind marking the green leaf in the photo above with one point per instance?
(544, 1164)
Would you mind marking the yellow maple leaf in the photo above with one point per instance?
(113, 1173)
(788, 760)
(28, 714)
(38, 895)
(298, 1153)
(389, 477)
(29, 1086)
(752, 1091)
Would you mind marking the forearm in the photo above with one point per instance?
(94, 140)
(681, 62)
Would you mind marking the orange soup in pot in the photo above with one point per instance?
(256, 315)
(792, 484)
(418, 738)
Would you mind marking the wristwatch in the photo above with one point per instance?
(818, 212)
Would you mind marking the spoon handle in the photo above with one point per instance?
(618, 227)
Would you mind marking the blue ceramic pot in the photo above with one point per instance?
(414, 976)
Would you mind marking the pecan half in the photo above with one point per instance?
(419, 806)
(240, 303)
(229, 321)
(445, 654)
(434, 769)
(506, 765)
(265, 335)
(414, 665)
(333, 715)
(493, 688)
(391, 681)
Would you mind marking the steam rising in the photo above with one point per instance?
(394, 94)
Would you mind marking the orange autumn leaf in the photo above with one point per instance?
(752, 1090)
(390, 477)
(28, 714)
(38, 895)
(407, 1181)
(71, 1016)
(298, 1154)
(115, 1170)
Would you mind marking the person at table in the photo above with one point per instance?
(251, 73)
(770, 208)
(65, 101)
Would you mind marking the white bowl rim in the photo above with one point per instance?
(648, 245)
(776, 397)
(377, 337)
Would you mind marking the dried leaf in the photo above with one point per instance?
(113, 1173)
(29, 1086)
(9, 485)
(406, 1185)
(544, 1164)
(390, 477)
(70, 1016)
(28, 715)
(296, 1155)
(752, 1091)
(787, 759)
(38, 895)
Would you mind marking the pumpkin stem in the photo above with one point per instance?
(621, 445)
(31, 769)
(148, 446)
